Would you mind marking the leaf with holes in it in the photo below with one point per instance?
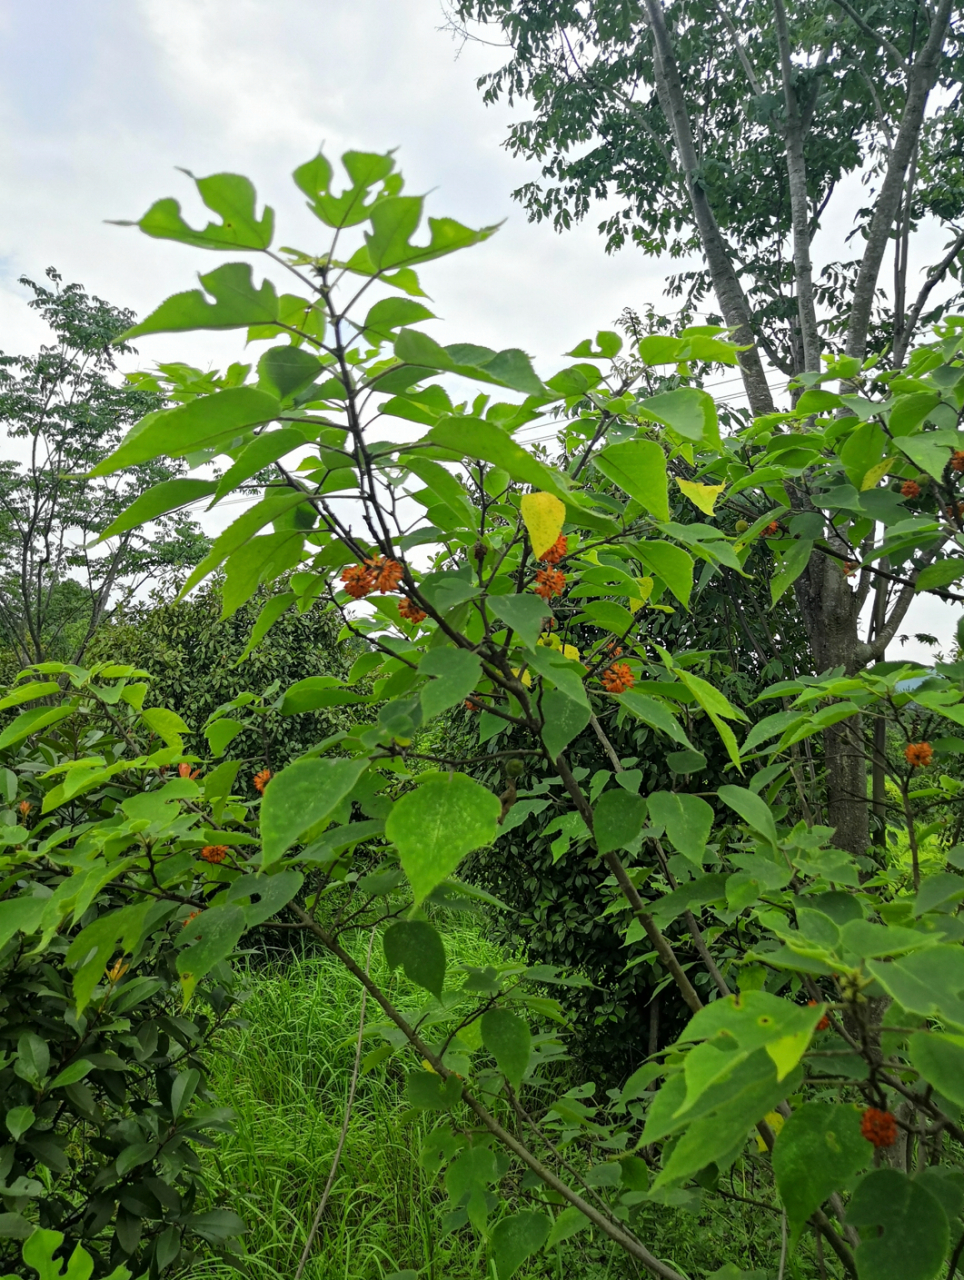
(687, 821)
(437, 824)
(418, 948)
(508, 1039)
(454, 672)
(516, 1238)
(617, 820)
(543, 515)
(213, 935)
(911, 1237)
(818, 1150)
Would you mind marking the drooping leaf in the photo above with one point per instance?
(314, 692)
(639, 468)
(427, 1091)
(300, 798)
(170, 495)
(911, 1237)
(544, 516)
(656, 715)
(525, 614)
(285, 370)
(437, 824)
(454, 672)
(516, 1238)
(690, 411)
(213, 935)
(617, 820)
(753, 809)
(476, 438)
(939, 1058)
(672, 564)
(508, 1039)
(817, 1151)
(565, 720)
(418, 948)
(29, 722)
(685, 818)
(702, 496)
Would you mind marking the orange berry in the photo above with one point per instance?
(549, 583)
(918, 754)
(878, 1127)
(215, 852)
(261, 780)
(772, 529)
(618, 678)
(411, 612)
(910, 489)
(470, 705)
(358, 580)
(850, 568)
(957, 461)
(193, 916)
(556, 551)
(824, 1022)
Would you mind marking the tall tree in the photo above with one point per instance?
(67, 409)
(728, 131)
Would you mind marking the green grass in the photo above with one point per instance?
(287, 1076)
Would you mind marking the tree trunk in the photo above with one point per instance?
(830, 610)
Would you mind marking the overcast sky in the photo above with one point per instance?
(101, 99)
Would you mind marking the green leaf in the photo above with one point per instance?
(213, 935)
(940, 1060)
(608, 615)
(508, 1039)
(365, 169)
(96, 944)
(818, 1150)
(418, 948)
(617, 820)
(909, 411)
(315, 692)
(437, 824)
(565, 720)
(229, 194)
(29, 722)
(166, 724)
(656, 715)
(928, 982)
(466, 1180)
(476, 438)
(285, 370)
(271, 611)
(170, 495)
(753, 809)
(199, 424)
(236, 304)
(565, 673)
(221, 734)
(266, 448)
(670, 563)
(568, 1222)
(266, 894)
(911, 1237)
(525, 614)
(183, 1089)
(20, 694)
(795, 560)
(639, 468)
(20, 915)
(686, 819)
(390, 314)
(516, 1238)
(940, 574)
(454, 672)
(427, 1091)
(19, 1119)
(511, 368)
(299, 801)
(273, 506)
(689, 411)
(71, 1074)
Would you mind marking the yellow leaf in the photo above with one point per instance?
(787, 1052)
(526, 678)
(428, 1066)
(543, 514)
(776, 1122)
(645, 586)
(703, 496)
(876, 474)
(570, 651)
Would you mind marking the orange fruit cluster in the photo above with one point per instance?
(878, 1127)
(261, 780)
(957, 462)
(411, 612)
(376, 574)
(618, 678)
(549, 583)
(918, 754)
(910, 489)
(214, 852)
(556, 551)
(771, 530)
(824, 1022)
(193, 916)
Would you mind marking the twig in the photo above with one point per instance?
(322, 1203)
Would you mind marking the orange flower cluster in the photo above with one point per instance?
(193, 916)
(184, 771)
(470, 705)
(613, 649)
(850, 568)
(556, 551)
(24, 806)
(549, 583)
(878, 1127)
(261, 780)
(618, 678)
(824, 1022)
(910, 489)
(215, 852)
(376, 574)
(772, 529)
(411, 612)
(957, 461)
(918, 754)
